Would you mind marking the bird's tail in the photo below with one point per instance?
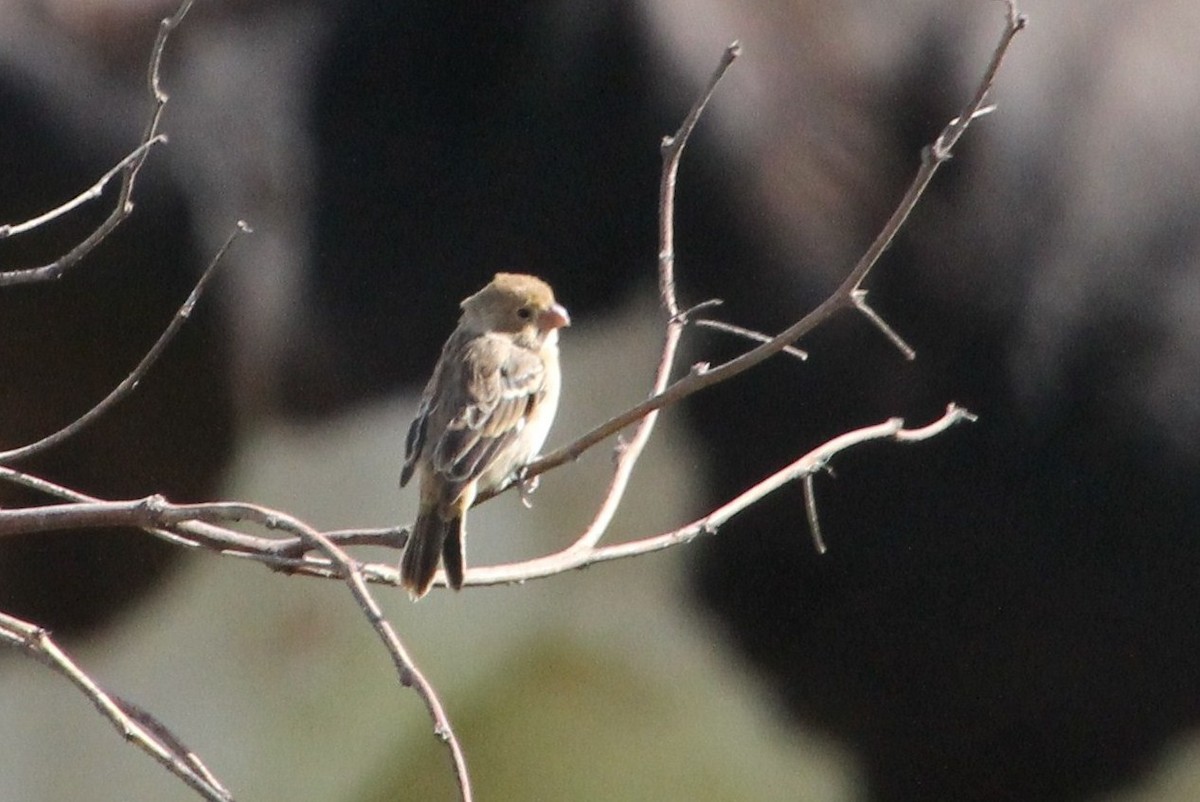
(432, 539)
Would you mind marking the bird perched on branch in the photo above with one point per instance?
(484, 414)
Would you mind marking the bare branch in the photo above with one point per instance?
(91, 193)
(859, 297)
(206, 525)
(285, 554)
(148, 734)
(749, 334)
(629, 452)
(410, 676)
(842, 298)
(155, 512)
(810, 512)
(935, 154)
(124, 205)
(131, 381)
(671, 151)
(573, 557)
(687, 314)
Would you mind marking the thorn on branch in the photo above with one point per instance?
(859, 297)
(684, 315)
(980, 112)
(810, 512)
(932, 157)
(939, 151)
(750, 334)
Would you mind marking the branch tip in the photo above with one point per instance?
(683, 315)
(810, 512)
(130, 382)
(859, 299)
(749, 334)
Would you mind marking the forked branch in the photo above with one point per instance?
(127, 167)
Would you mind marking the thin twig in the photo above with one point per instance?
(842, 298)
(280, 553)
(749, 334)
(700, 379)
(629, 452)
(671, 150)
(410, 676)
(124, 204)
(155, 512)
(149, 735)
(686, 314)
(815, 460)
(174, 520)
(859, 297)
(810, 512)
(287, 554)
(130, 382)
(91, 193)
(935, 154)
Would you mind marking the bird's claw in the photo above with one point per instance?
(527, 486)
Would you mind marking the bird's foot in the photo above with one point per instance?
(527, 486)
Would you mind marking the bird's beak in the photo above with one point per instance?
(555, 317)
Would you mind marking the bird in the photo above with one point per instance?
(484, 414)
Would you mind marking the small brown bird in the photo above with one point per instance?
(484, 414)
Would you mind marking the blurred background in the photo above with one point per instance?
(1006, 612)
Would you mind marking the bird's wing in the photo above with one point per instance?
(494, 388)
(418, 431)
(414, 443)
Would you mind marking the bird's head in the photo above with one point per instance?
(515, 303)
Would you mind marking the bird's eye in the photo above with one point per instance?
(524, 313)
